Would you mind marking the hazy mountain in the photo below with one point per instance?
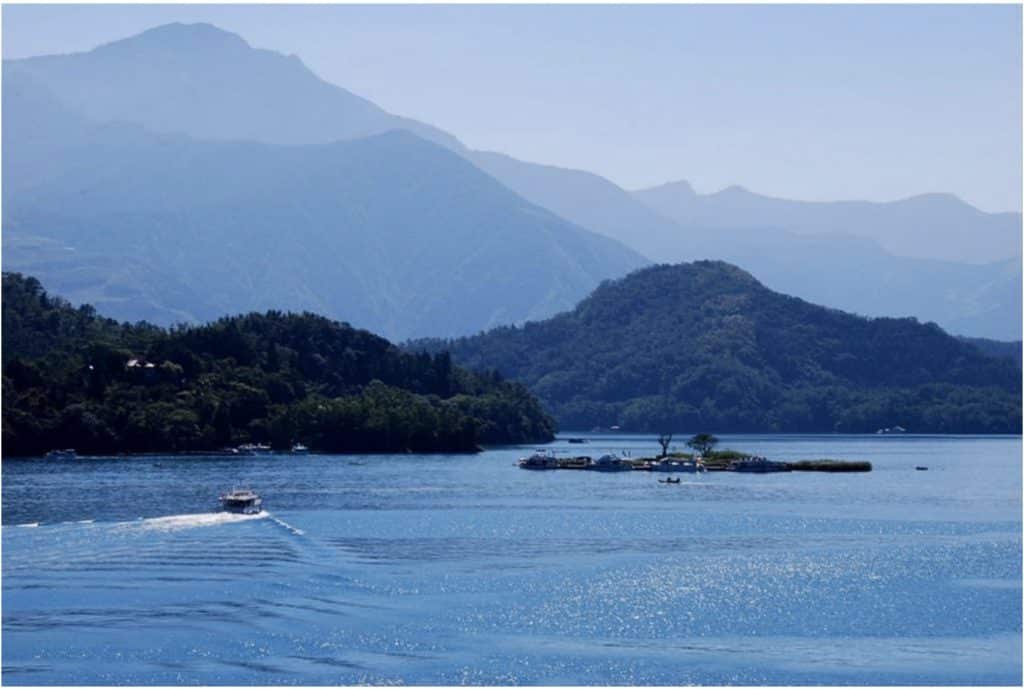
(587, 199)
(390, 232)
(856, 275)
(705, 346)
(839, 270)
(929, 226)
(209, 83)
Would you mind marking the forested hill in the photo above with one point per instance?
(71, 379)
(1010, 350)
(705, 346)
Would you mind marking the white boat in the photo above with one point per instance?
(541, 460)
(299, 449)
(245, 501)
(254, 449)
(611, 463)
(678, 466)
(66, 454)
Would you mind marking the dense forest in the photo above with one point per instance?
(73, 379)
(1011, 350)
(705, 346)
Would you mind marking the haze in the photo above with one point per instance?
(811, 103)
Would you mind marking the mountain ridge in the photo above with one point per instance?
(975, 300)
(704, 345)
(384, 231)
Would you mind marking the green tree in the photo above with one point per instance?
(702, 443)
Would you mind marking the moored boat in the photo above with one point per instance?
(541, 460)
(611, 463)
(678, 466)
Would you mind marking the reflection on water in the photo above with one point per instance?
(465, 569)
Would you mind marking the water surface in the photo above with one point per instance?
(464, 569)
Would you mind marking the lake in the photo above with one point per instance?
(467, 570)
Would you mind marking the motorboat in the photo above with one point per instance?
(254, 449)
(66, 454)
(541, 460)
(245, 501)
(580, 462)
(670, 480)
(611, 463)
(678, 466)
(299, 449)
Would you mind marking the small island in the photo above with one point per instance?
(704, 458)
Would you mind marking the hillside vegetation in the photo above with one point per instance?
(705, 346)
(72, 379)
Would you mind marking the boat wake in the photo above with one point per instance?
(294, 530)
(172, 523)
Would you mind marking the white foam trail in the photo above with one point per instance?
(293, 530)
(178, 522)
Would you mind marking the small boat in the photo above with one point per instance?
(66, 454)
(541, 460)
(580, 462)
(670, 480)
(299, 449)
(611, 463)
(245, 501)
(921, 468)
(577, 440)
(254, 449)
(678, 466)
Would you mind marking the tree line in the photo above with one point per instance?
(74, 379)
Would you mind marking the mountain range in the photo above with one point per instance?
(704, 345)
(205, 88)
(391, 232)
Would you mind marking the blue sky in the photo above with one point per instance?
(807, 102)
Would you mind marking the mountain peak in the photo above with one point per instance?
(177, 36)
(677, 187)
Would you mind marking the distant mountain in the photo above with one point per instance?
(705, 346)
(206, 83)
(390, 232)
(929, 226)
(75, 380)
(209, 83)
(588, 200)
(857, 276)
(844, 271)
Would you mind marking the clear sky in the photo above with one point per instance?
(807, 102)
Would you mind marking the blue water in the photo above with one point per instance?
(467, 570)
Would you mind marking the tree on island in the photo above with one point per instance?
(663, 441)
(702, 443)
